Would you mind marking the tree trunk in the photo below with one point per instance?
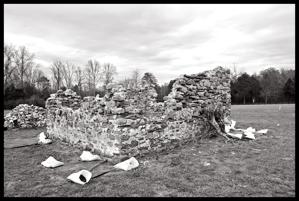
(266, 99)
(244, 100)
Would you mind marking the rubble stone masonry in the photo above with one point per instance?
(130, 121)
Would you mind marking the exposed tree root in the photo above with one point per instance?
(210, 112)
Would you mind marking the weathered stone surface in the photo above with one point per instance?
(130, 121)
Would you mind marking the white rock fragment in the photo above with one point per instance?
(263, 131)
(126, 165)
(87, 156)
(238, 136)
(42, 139)
(51, 162)
(249, 135)
(233, 124)
(250, 129)
(206, 164)
(46, 141)
(82, 177)
(227, 128)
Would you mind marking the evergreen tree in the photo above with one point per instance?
(289, 90)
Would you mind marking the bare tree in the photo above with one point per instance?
(126, 82)
(68, 74)
(109, 70)
(37, 74)
(92, 75)
(33, 73)
(56, 69)
(234, 73)
(9, 67)
(79, 78)
(136, 77)
(23, 61)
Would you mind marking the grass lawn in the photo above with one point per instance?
(263, 167)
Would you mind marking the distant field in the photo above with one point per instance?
(264, 167)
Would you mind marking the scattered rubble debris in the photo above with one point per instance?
(87, 156)
(126, 165)
(82, 177)
(51, 162)
(263, 131)
(238, 135)
(233, 124)
(249, 135)
(25, 116)
(242, 133)
(42, 139)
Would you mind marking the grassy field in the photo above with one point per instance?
(263, 167)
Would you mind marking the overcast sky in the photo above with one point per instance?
(168, 40)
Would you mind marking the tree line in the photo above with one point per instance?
(269, 86)
(25, 82)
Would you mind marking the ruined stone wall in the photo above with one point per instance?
(130, 121)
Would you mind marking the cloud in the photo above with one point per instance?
(167, 40)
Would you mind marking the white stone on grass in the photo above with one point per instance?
(263, 131)
(233, 124)
(87, 156)
(42, 139)
(238, 136)
(227, 128)
(51, 162)
(250, 129)
(126, 165)
(82, 177)
(249, 135)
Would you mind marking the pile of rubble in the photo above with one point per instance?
(25, 116)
